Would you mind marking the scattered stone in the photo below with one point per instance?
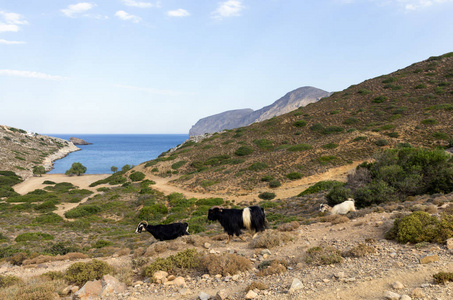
(265, 251)
(429, 259)
(111, 285)
(251, 295)
(235, 277)
(339, 275)
(91, 289)
(66, 291)
(296, 285)
(450, 244)
(171, 277)
(207, 245)
(405, 297)
(221, 295)
(397, 285)
(179, 281)
(203, 296)
(391, 295)
(417, 293)
(160, 276)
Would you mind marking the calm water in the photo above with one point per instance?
(116, 150)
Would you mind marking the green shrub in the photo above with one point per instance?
(244, 150)
(374, 193)
(429, 122)
(8, 280)
(294, 176)
(359, 138)
(82, 211)
(351, 121)
(338, 194)
(420, 86)
(299, 147)
(321, 186)
(153, 212)
(381, 142)
(274, 184)
(79, 273)
(267, 178)
(317, 127)
(330, 146)
(323, 256)
(440, 135)
(102, 244)
(61, 248)
(443, 277)
(33, 236)
(266, 196)
(415, 228)
(264, 144)
(187, 259)
(50, 218)
(137, 176)
(380, 99)
(209, 202)
(389, 80)
(257, 166)
(178, 164)
(364, 92)
(300, 123)
(332, 130)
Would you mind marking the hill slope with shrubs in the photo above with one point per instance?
(412, 106)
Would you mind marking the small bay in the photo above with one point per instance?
(117, 150)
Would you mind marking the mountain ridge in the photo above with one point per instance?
(242, 117)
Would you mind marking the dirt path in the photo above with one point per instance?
(286, 190)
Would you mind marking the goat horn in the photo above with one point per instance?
(146, 223)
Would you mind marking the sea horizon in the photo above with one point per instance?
(107, 150)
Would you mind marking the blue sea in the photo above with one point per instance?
(117, 150)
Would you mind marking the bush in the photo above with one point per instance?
(272, 267)
(380, 99)
(321, 186)
(8, 280)
(338, 194)
(76, 169)
(244, 150)
(79, 273)
(264, 144)
(332, 129)
(50, 218)
(429, 122)
(266, 196)
(102, 243)
(187, 259)
(274, 184)
(415, 228)
(137, 176)
(33, 236)
(257, 166)
(82, 211)
(381, 142)
(178, 164)
(443, 277)
(323, 256)
(61, 248)
(294, 176)
(224, 264)
(300, 123)
(330, 146)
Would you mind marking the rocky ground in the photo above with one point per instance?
(394, 271)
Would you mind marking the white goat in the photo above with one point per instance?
(339, 209)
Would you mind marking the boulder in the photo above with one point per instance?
(90, 291)
(111, 285)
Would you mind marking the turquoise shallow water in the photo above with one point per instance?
(117, 150)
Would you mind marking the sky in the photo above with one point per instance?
(147, 66)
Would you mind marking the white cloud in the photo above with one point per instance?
(141, 4)
(178, 13)
(127, 17)
(78, 9)
(230, 8)
(5, 42)
(420, 4)
(151, 90)
(30, 74)
(9, 22)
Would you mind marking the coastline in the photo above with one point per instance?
(63, 152)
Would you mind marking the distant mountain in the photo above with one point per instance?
(243, 117)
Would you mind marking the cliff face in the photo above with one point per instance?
(243, 117)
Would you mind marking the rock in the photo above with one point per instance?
(251, 295)
(265, 251)
(397, 285)
(391, 295)
(450, 244)
(77, 141)
(179, 281)
(429, 259)
(235, 277)
(171, 277)
(66, 291)
(221, 295)
(339, 275)
(91, 290)
(160, 276)
(417, 293)
(203, 296)
(74, 289)
(296, 285)
(207, 245)
(405, 297)
(111, 285)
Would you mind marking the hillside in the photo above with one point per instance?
(21, 150)
(242, 117)
(413, 105)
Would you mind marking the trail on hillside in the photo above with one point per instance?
(286, 190)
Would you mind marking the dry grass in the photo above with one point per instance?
(270, 239)
(360, 250)
(291, 226)
(257, 285)
(156, 248)
(229, 264)
(47, 258)
(335, 219)
(34, 289)
(272, 267)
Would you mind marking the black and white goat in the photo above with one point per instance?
(234, 220)
(164, 232)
